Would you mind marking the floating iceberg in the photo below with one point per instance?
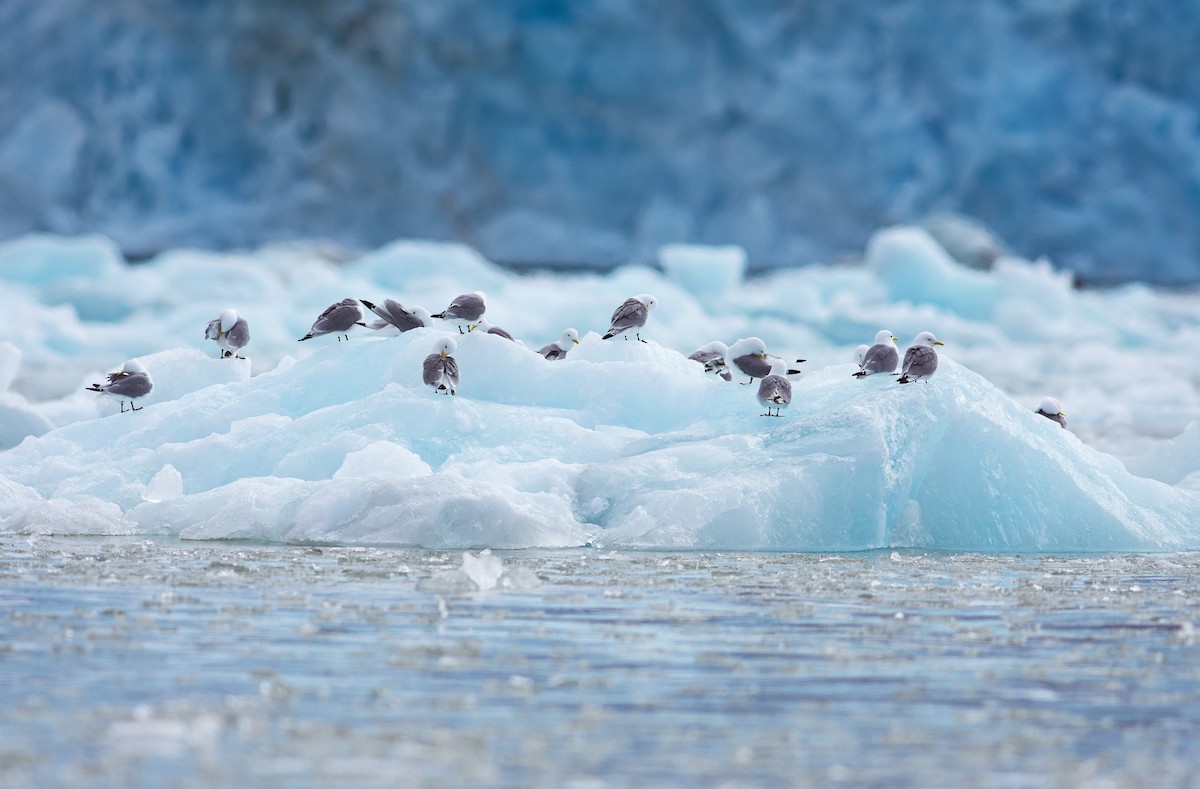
(624, 443)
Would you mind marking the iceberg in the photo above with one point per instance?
(623, 443)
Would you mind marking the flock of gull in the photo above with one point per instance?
(440, 369)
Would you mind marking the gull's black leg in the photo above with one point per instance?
(123, 405)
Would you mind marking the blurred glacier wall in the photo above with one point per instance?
(592, 131)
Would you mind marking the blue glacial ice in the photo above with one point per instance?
(557, 132)
(624, 443)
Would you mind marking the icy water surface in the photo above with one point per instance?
(161, 663)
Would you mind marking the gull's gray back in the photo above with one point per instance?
(467, 307)
(920, 360)
(775, 389)
(629, 315)
(338, 317)
(239, 335)
(881, 358)
(133, 385)
(753, 366)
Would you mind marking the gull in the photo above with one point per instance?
(336, 319)
(130, 381)
(558, 350)
(882, 357)
(921, 360)
(393, 313)
(231, 332)
(749, 355)
(775, 391)
(465, 310)
(713, 356)
(1052, 409)
(440, 369)
(488, 328)
(631, 314)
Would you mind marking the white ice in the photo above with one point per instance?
(624, 443)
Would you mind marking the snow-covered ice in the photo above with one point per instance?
(623, 443)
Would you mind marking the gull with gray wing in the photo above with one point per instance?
(231, 331)
(920, 360)
(336, 319)
(131, 381)
(440, 369)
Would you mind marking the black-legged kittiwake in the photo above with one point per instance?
(882, 357)
(465, 310)
(631, 315)
(1052, 409)
(131, 381)
(749, 356)
(440, 369)
(336, 319)
(231, 332)
(558, 349)
(921, 360)
(488, 328)
(860, 353)
(393, 313)
(775, 391)
(714, 357)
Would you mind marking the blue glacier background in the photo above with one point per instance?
(551, 132)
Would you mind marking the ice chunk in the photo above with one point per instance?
(484, 570)
(705, 271)
(167, 484)
(41, 260)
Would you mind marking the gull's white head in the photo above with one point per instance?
(752, 346)
(228, 318)
(884, 336)
(132, 367)
(445, 346)
(860, 353)
(927, 338)
(423, 314)
(648, 300)
(1051, 406)
(569, 336)
(716, 346)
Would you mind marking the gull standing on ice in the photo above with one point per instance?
(393, 313)
(336, 319)
(921, 360)
(775, 391)
(882, 357)
(1052, 409)
(130, 381)
(558, 350)
(466, 310)
(713, 356)
(749, 355)
(231, 332)
(631, 314)
(440, 369)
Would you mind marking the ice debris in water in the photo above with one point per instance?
(479, 573)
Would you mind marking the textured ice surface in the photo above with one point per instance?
(595, 132)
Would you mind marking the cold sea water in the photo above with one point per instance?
(158, 662)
